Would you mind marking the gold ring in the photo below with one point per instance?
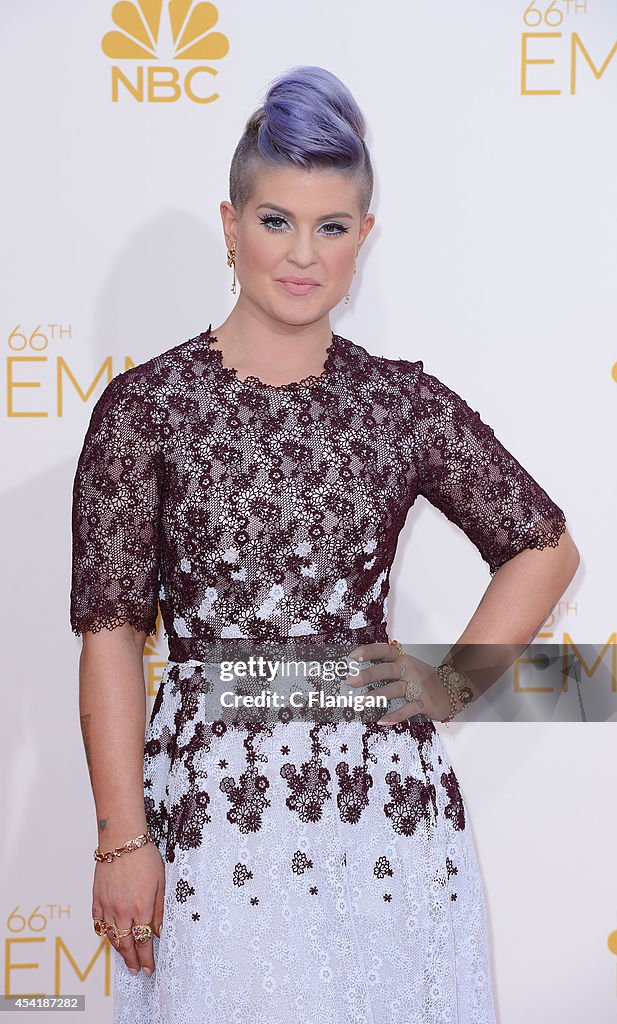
(398, 647)
(141, 932)
(413, 689)
(118, 934)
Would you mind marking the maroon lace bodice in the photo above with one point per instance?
(255, 513)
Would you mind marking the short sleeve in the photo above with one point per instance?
(116, 515)
(467, 473)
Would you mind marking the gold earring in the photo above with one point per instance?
(347, 296)
(231, 262)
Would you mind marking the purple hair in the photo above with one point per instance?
(310, 119)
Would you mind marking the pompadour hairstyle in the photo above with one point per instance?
(309, 119)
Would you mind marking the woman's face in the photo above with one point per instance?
(298, 225)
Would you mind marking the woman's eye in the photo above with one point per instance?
(338, 229)
(269, 220)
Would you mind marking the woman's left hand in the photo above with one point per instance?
(433, 701)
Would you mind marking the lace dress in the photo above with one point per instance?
(321, 869)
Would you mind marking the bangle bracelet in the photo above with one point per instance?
(132, 844)
(457, 688)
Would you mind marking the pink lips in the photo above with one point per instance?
(298, 285)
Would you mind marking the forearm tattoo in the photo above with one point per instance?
(85, 732)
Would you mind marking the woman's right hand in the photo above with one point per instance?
(131, 890)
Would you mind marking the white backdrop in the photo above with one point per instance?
(493, 260)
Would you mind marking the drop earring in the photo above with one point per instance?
(231, 262)
(347, 296)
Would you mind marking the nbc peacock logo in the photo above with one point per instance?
(164, 33)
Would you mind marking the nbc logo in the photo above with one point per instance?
(149, 30)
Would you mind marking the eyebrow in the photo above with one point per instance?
(288, 213)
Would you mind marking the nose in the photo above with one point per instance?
(302, 250)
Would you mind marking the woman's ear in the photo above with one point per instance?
(367, 225)
(230, 222)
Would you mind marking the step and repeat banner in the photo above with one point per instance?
(491, 128)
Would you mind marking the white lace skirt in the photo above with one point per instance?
(314, 872)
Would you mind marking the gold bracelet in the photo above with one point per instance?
(448, 688)
(132, 844)
(457, 688)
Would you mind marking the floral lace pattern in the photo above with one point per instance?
(261, 514)
(322, 873)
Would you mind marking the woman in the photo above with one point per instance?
(288, 866)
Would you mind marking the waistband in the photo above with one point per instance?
(318, 646)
